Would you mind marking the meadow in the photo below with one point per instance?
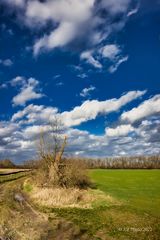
(138, 189)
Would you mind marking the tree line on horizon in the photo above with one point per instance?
(137, 162)
(134, 162)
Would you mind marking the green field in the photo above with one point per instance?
(139, 189)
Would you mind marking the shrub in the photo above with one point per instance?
(74, 174)
(69, 173)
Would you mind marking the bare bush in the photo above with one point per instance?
(75, 173)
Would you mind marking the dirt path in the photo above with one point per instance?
(12, 171)
(20, 220)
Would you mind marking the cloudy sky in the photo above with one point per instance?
(93, 64)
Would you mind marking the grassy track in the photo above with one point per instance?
(12, 170)
(12, 176)
(140, 189)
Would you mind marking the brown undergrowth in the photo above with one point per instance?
(68, 197)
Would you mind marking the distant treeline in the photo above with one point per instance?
(7, 163)
(138, 162)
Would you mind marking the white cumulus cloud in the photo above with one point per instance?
(86, 91)
(121, 130)
(75, 24)
(110, 51)
(61, 12)
(145, 109)
(27, 91)
(87, 56)
(91, 109)
(19, 80)
(35, 113)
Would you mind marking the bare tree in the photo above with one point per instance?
(51, 148)
(54, 169)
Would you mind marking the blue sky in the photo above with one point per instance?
(93, 64)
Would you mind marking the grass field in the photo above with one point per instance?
(139, 189)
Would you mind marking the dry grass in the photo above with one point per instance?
(61, 197)
(70, 197)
